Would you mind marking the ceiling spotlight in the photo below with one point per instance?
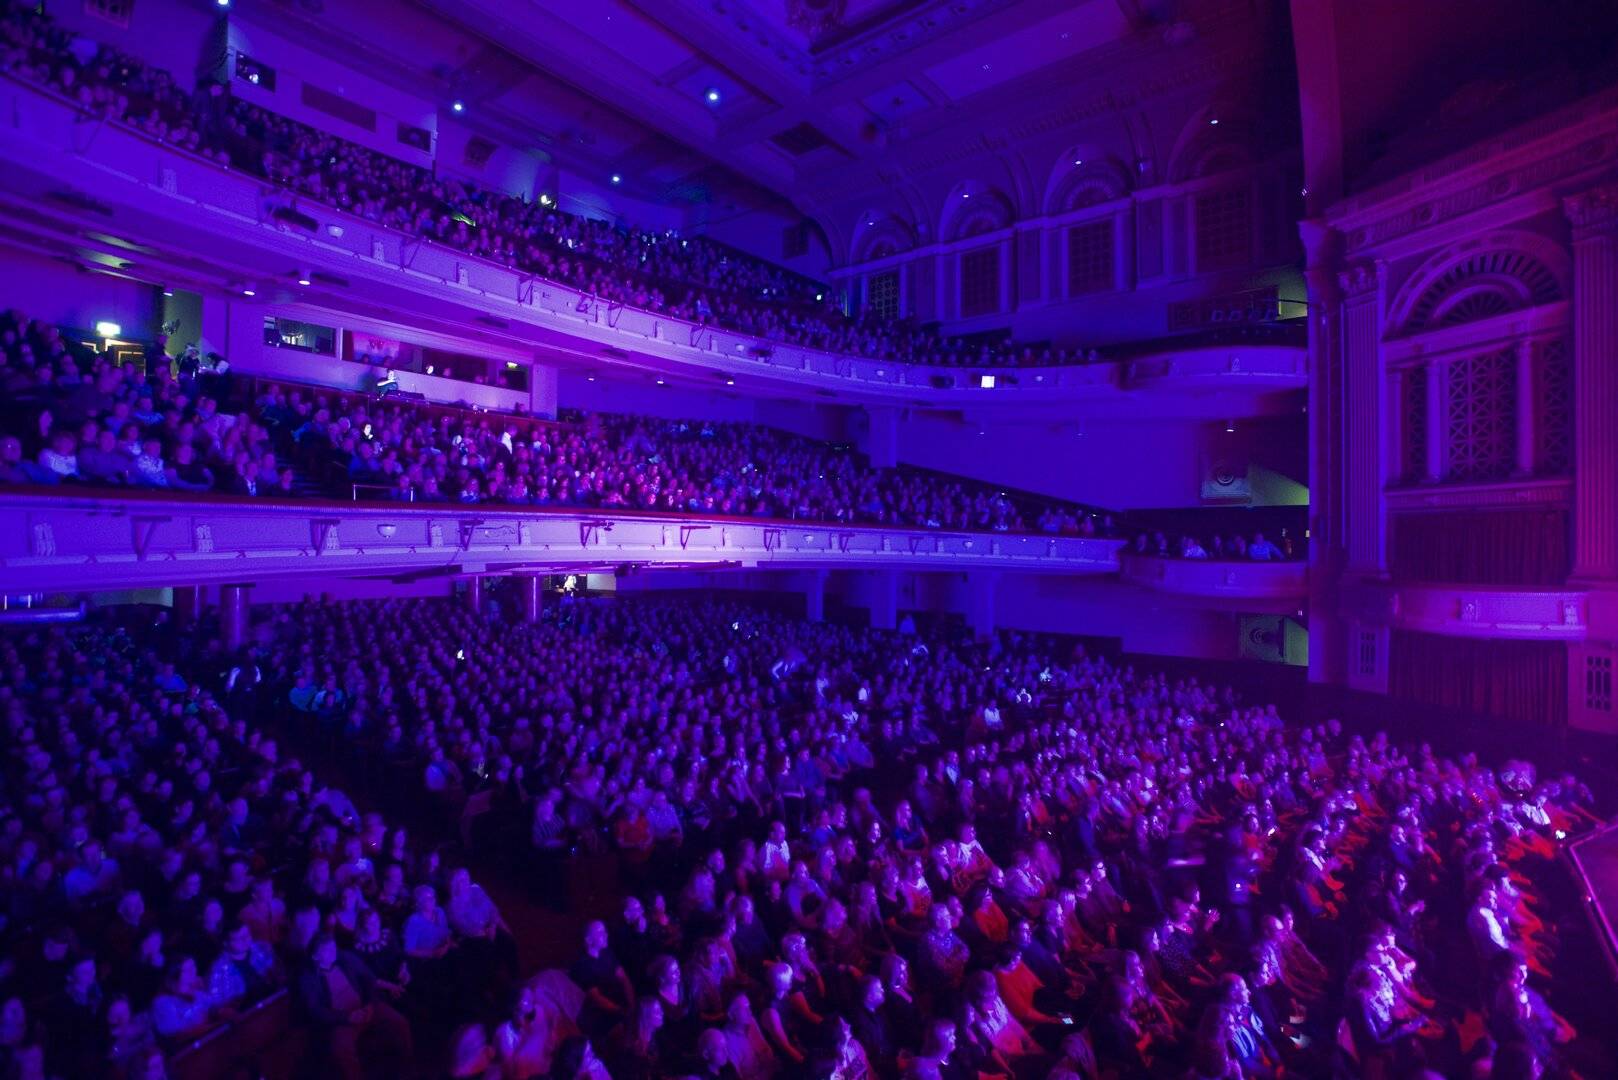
(544, 198)
(712, 95)
(305, 277)
(1078, 161)
(660, 382)
(617, 178)
(222, 3)
(730, 382)
(108, 329)
(247, 290)
(1230, 427)
(589, 378)
(1214, 120)
(457, 106)
(167, 291)
(820, 296)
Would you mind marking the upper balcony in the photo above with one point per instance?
(101, 541)
(88, 189)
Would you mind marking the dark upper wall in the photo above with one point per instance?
(1387, 85)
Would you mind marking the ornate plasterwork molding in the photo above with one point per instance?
(1553, 491)
(1532, 157)
(1595, 209)
(881, 43)
(1359, 279)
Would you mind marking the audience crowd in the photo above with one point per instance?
(74, 415)
(856, 853)
(689, 278)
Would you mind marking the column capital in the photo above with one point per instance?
(1360, 279)
(1594, 209)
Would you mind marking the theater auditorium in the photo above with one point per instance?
(808, 539)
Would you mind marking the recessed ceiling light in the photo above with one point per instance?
(1214, 120)
(247, 290)
(1078, 161)
(660, 382)
(617, 178)
(712, 95)
(458, 106)
(730, 382)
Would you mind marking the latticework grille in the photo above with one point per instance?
(1480, 415)
(1554, 408)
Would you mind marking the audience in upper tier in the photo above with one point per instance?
(1061, 867)
(1258, 547)
(76, 416)
(689, 278)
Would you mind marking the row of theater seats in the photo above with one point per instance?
(840, 852)
(73, 414)
(690, 278)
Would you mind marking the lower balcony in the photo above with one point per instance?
(58, 542)
(1270, 584)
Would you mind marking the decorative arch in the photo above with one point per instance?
(878, 235)
(1085, 178)
(1213, 142)
(1481, 278)
(972, 209)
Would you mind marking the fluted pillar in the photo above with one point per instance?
(1363, 404)
(1594, 215)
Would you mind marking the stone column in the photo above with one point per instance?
(187, 604)
(233, 615)
(1328, 648)
(542, 391)
(1594, 215)
(814, 595)
(474, 593)
(882, 598)
(531, 594)
(882, 435)
(1525, 409)
(980, 590)
(1362, 408)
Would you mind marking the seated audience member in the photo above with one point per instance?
(339, 994)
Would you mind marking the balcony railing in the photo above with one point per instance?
(1273, 583)
(56, 541)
